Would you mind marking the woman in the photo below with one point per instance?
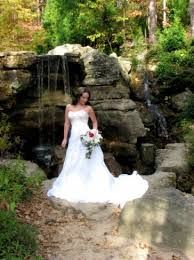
(89, 180)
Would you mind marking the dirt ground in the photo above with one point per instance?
(66, 235)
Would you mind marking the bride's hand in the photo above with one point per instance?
(64, 142)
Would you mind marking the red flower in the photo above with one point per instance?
(91, 134)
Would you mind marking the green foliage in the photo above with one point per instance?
(18, 20)
(40, 42)
(16, 239)
(176, 68)
(7, 142)
(173, 38)
(5, 128)
(187, 125)
(188, 113)
(14, 185)
(101, 24)
(174, 55)
(179, 8)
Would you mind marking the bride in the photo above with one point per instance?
(89, 180)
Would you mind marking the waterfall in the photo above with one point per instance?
(52, 82)
(65, 73)
(40, 82)
(159, 118)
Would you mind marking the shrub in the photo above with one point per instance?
(173, 37)
(7, 143)
(188, 128)
(16, 239)
(14, 185)
(188, 113)
(5, 129)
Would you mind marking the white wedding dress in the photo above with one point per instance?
(89, 180)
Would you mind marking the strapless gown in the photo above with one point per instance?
(89, 180)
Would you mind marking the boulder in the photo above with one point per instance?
(100, 69)
(162, 218)
(31, 168)
(111, 163)
(17, 60)
(122, 149)
(174, 158)
(72, 49)
(116, 91)
(160, 180)
(148, 153)
(13, 81)
(180, 100)
(125, 67)
(121, 125)
(111, 104)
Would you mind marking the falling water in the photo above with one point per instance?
(158, 117)
(40, 100)
(65, 73)
(48, 69)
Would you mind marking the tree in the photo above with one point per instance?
(191, 9)
(164, 9)
(152, 21)
(18, 21)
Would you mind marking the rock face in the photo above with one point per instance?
(107, 79)
(180, 100)
(25, 77)
(174, 159)
(100, 69)
(15, 74)
(161, 180)
(162, 218)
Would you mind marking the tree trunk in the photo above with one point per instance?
(152, 21)
(191, 9)
(40, 9)
(164, 22)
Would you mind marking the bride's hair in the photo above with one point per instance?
(78, 93)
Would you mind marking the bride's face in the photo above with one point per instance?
(84, 98)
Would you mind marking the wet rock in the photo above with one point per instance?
(148, 153)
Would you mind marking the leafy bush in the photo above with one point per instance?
(187, 118)
(173, 37)
(188, 113)
(14, 185)
(174, 54)
(7, 143)
(5, 128)
(177, 64)
(16, 239)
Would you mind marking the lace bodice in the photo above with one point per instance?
(80, 116)
(79, 121)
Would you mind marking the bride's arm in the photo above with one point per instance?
(66, 126)
(93, 118)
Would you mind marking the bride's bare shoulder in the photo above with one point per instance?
(90, 109)
(68, 107)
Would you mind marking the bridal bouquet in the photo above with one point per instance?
(91, 139)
